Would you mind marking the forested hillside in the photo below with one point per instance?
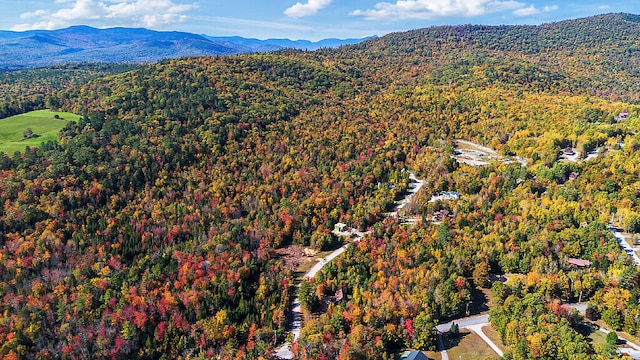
(26, 90)
(149, 229)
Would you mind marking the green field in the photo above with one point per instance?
(43, 123)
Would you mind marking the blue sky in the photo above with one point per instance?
(295, 19)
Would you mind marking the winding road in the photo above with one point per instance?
(284, 351)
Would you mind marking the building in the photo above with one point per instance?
(445, 195)
(340, 227)
(413, 355)
(579, 262)
(337, 297)
(440, 215)
(622, 116)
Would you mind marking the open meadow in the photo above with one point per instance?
(44, 126)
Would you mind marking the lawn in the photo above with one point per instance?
(468, 346)
(43, 124)
(495, 337)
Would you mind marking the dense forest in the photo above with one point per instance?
(26, 90)
(151, 228)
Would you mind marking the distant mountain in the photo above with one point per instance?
(276, 44)
(19, 50)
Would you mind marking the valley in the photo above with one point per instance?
(193, 208)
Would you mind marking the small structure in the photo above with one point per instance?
(310, 252)
(573, 176)
(622, 116)
(340, 227)
(568, 151)
(578, 262)
(337, 297)
(445, 195)
(440, 215)
(413, 355)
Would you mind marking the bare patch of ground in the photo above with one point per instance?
(294, 257)
(473, 154)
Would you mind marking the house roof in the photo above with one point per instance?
(579, 262)
(413, 355)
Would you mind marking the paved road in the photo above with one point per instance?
(284, 352)
(633, 350)
(625, 245)
(464, 322)
(322, 262)
(416, 185)
(443, 351)
(581, 307)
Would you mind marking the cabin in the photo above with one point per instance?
(413, 355)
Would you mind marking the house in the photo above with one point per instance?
(445, 195)
(337, 297)
(579, 262)
(340, 227)
(439, 216)
(413, 355)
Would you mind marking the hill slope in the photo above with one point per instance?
(150, 229)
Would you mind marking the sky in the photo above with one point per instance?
(295, 19)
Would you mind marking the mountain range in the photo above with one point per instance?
(35, 48)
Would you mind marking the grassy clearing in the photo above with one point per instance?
(598, 337)
(468, 346)
(43, 123)
(433, 355)
(495, 337)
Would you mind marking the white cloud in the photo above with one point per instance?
(134, 13)
(532, 10)
(430, 9)
(37, 13)
(310, 8)
(528, 11)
